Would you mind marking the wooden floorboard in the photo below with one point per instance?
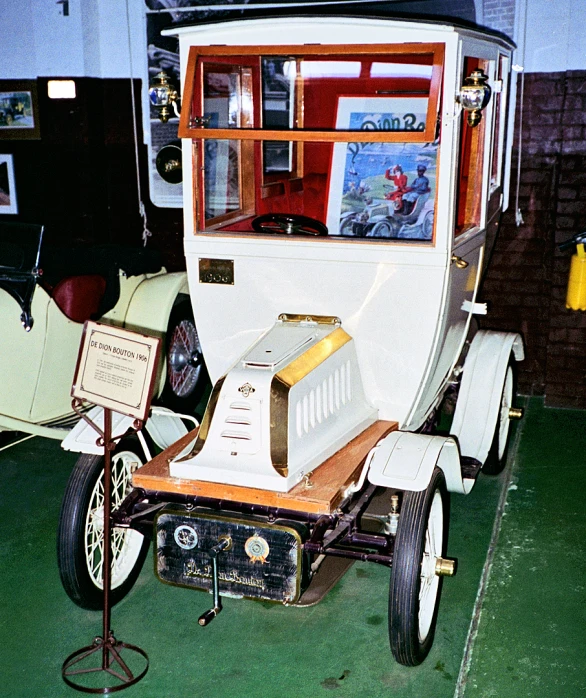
(320, 496)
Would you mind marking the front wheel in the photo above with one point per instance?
(415, 588)
(80, 536)
(382, 229)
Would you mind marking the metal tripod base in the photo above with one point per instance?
(112, 664)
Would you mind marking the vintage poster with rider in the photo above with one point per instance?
(384, 190)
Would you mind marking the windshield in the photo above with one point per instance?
(347, 138)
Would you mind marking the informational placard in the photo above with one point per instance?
(116, 369)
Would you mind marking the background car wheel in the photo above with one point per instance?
(497, 455)
(80, 536)
(415, 589)
(428, 226)
(346, 226)
(382, 229)
(187, 376)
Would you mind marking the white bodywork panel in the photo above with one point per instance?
(322, 404)
(164, 427)
(402, 303)
(453, 326)
(37, 366)
(394, 329)
(150, 308)
(151, 303)
(405, 461)
(479, 399)
(83, 437)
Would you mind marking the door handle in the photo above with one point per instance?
(459, 262)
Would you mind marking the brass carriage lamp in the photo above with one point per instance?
(474, 96)
(163, 96)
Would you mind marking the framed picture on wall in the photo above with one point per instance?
(19, 112)
(375, 182)
(7, 185)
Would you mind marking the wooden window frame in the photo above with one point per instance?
(189, 129)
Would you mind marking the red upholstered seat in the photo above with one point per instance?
(78, 297)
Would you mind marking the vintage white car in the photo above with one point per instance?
(330, 354)
(46, 295)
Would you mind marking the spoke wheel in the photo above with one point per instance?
(80, 537)
(187, 375)
(497, 455)
(415, 588)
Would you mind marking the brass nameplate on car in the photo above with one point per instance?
(216, 271)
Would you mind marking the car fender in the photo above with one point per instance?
(152, 301)
(150, 307)
(83, 438)
(479, 398)
(404, 460)
(164, 427)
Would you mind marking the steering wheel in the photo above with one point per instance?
(289, 223)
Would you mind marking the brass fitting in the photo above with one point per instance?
(459, 262)
(444, 567)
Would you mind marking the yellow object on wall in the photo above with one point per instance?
(576, 296)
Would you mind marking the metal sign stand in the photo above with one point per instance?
(106, 645)
(116, 369)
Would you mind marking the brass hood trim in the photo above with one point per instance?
(204, 428)
(281, 385)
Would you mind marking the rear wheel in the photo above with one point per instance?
(187, 376)
(80, 536)
(497, 455)
(415, 588)
(428, 226)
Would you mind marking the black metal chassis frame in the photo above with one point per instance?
(337, 534)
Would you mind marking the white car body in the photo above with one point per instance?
(408, 308)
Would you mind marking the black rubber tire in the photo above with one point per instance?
(77, 581)
(497, 454)
(407, 646)
(185, 383)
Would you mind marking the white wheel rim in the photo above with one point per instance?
(126, 543)
(504, 421)
(429, 585)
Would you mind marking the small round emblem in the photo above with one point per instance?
(257, 549)
(186, 537)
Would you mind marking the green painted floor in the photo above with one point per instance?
(528, 637)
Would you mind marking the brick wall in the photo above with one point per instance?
(500, 15)
(527, 276)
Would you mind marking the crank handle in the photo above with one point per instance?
(207, 617)
(225, 543)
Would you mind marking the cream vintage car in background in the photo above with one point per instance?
(46, 295)
(331, 352)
